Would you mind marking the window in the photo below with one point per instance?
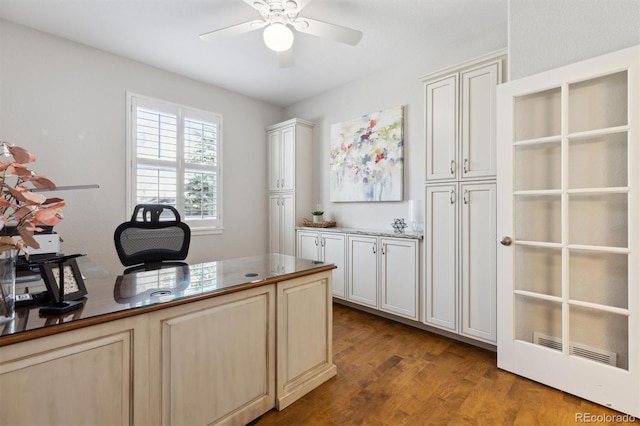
(174, 153)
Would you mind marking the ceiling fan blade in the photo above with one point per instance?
(285, 59)
(297, 5)
(260, 5)
(331, 31)
(233, 30)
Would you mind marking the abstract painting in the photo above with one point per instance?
(367, 158)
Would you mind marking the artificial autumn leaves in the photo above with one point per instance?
(20, 206)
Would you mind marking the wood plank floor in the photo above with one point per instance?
(393, 374)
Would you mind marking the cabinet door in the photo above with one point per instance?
(275, 224)
(282, 222)
(478, 255)
(363, 270)
(440, 256)
(288, 159)
(478, 122)
(273, 140)
(304, 337)
(288, 230)
(442, 128)
(62, 379)
(307, 247)
(333, 250)
(213, 362)
(399, 276)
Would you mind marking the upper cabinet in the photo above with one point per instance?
(460, 120)
(289, 154)
(282, 162)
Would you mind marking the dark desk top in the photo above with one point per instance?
(110, 298)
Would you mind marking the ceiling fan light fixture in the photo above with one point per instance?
(278, 37)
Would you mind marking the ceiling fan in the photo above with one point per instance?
(278, 17)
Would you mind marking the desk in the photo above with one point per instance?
(218, 342)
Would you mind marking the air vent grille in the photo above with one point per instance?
(577, 349)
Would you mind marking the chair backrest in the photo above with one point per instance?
(155, 234)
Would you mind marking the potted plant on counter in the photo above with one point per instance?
(317, 216)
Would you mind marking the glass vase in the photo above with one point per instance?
(7, 285)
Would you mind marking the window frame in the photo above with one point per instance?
(198, 226)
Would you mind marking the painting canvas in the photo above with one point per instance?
(367, 158)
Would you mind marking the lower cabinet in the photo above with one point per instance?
(384, 273)
(282, 221)
(327, 247)
(460, 259)
(84, 376)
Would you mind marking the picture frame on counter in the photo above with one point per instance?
(74, 287)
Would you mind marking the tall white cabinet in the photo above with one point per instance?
(289, 151)
(460, 197)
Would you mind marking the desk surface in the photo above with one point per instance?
(110, 298)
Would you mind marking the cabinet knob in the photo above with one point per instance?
(453, 167)
(506, 241)
(374, 248)
(465, 167)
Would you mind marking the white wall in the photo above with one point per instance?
(65, 102)
(398, 85)
(546, 34)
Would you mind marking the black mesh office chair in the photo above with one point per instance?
(154, 237)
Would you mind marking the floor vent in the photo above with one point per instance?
(577, 349)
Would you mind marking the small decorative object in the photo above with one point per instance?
(64, 284)
(366, 157)
(21, 211)
(398, 226)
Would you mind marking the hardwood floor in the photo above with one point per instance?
(393, 374)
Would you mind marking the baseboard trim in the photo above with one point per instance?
(417, 324)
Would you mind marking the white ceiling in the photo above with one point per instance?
(164, 34)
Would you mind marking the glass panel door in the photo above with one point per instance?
(570, 203)
(568, 266)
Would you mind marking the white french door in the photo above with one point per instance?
(568, 221)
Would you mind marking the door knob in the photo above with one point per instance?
(506, 241)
